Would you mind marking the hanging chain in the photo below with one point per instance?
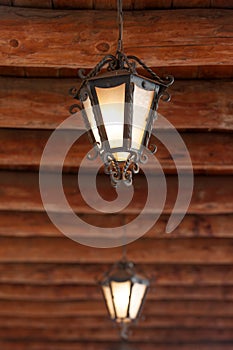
(120, 23)
(124, 244)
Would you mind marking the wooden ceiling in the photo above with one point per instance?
(49, 298)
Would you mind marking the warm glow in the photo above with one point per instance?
(121, 294)
(91, 119)
(141, 107)
(108, 298)
(137, 295)
(121, 156)
(112, 105)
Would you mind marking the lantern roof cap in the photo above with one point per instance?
(124, 271)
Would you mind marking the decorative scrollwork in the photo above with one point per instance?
(120, 174)
(107, 59)
(153, 148)
(165, 96)
(93, 154)
(112, 168)
(120, 61)
(170, 80)
(135, 168)
(73, 91)
(82, 95)
(75, 108)
(81, 74)
(167, 81)
(127, 178)
(143, 158)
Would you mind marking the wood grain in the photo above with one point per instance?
(95, 308)
(149, 251)
(127, 5)
(100, 334)
(45, 345)
(20, 191)
(71, 292)
(205, 150)
(179, 72)
(169, 321)
(35, 224)
(44, 104)
(32, 3)
(74, 274)
(203, 37)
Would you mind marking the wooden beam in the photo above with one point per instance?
(32, 3)
(169, 336)
(75, 322)
(203, 37)
(211, 195)
(205, 150)
(44, 104)
(162, 275)
(179, 72)
(35, 224)
(64, 250)
(29, 292)
(127, 5)
(95, 308)
(58, 345)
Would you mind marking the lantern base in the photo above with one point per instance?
(120, 171)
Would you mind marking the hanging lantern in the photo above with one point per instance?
(124, 292)
(119, 108)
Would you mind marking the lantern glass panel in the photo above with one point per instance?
(141, 108)
(121, 156)
(137, 295)
(121, 294)
(108, 298)
(112, 105)
(90, 116)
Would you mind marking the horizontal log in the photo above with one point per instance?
(179, 72)
(159, 321)
(70, 292)
(48, 102)
(208, 102)
(55, 275)
(205, 150)
(38, 345)
(127, 5)
(95, 308)
(64, 250)
(19, 191)
(142, 4)
(137, 335)
(203, 37)
(31, 224)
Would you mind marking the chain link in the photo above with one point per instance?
(120, 24)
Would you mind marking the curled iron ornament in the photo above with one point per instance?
(118, 174)
(75, 108)
(93, 154)
(122, 62)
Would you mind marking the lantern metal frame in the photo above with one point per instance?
(121, 69)
(124, 271)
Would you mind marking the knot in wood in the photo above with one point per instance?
(14, 43)
(103, 47)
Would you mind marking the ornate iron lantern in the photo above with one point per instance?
(124, 293)
(110, 103)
